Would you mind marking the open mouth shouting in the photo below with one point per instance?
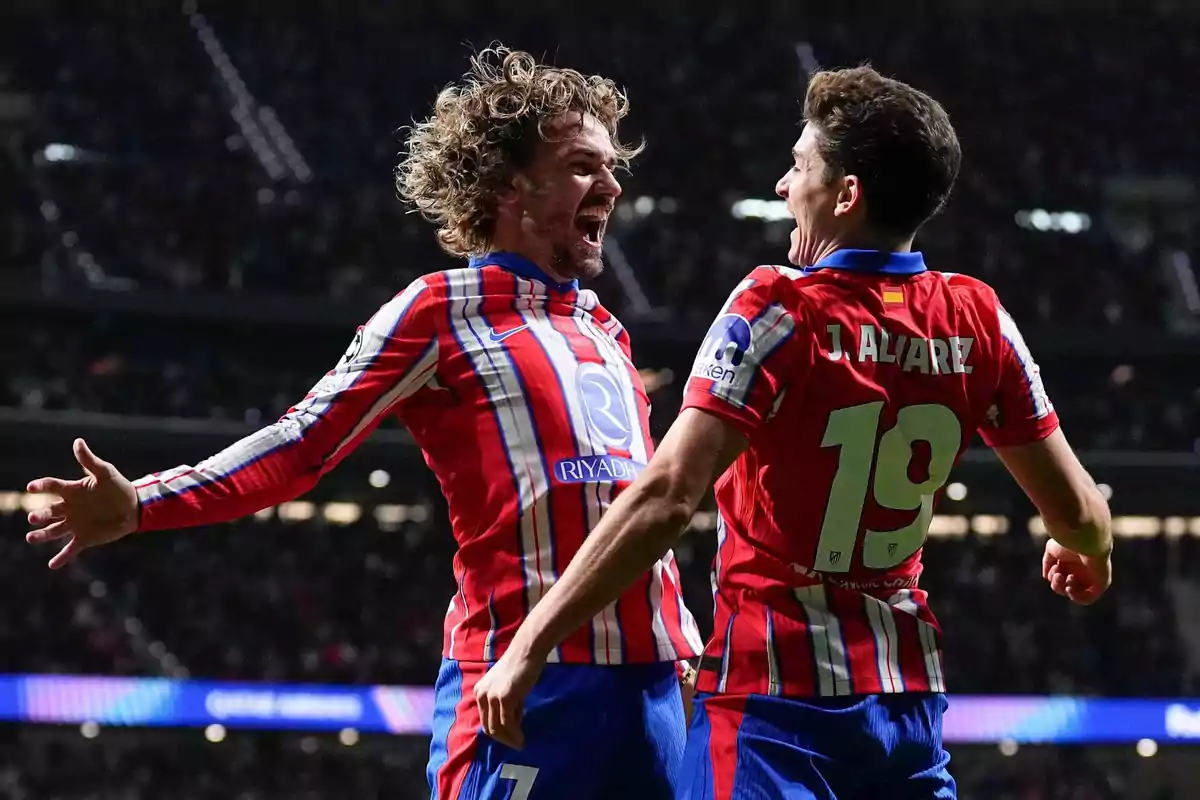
(591, 222)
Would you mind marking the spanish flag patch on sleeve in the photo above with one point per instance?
(893, 295)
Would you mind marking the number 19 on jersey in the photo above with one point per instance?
(867, 459)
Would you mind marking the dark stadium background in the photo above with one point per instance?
(197, 212)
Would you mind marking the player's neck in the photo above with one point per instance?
(539, 255)
(869, 241)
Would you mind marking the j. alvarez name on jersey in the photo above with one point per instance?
(929, 356)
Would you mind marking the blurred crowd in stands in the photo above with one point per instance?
(144, 169)
(183, 766)
(168, 189)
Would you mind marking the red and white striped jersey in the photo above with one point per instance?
(858, 382)
(522, 396)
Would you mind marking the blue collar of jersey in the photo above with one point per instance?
(878, 261)
(522, 266)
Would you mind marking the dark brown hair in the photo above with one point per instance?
(896, 139)
(463, 156)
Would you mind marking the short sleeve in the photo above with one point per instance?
(749, 356)
(1021, 411)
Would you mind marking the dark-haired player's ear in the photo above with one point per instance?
(849, 195)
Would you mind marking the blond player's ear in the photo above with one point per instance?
(507, 196)
(521, 185)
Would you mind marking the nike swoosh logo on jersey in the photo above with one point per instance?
(500, 337)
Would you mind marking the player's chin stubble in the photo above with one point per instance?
(576, 262)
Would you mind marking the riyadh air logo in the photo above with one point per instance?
(724, 349)
(604, 406)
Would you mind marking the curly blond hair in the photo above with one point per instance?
(481, 130)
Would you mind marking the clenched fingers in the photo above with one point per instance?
(1058, 581)
(499, 720)
(505, 724)
(1081, 591)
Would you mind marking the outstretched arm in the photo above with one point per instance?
(639, 527)
(391, 357)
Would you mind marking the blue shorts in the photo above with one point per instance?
(839, 748)
(591, 733)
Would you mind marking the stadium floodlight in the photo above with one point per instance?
(644, 205)
(768, 210)
(1041, 220)
(60, 152)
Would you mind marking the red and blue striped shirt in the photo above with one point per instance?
(524, 400)
(858, 384)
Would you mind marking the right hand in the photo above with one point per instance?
(97, 509)
(1082, 579)
(687, 690)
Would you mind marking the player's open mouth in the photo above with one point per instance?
(591, 226)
